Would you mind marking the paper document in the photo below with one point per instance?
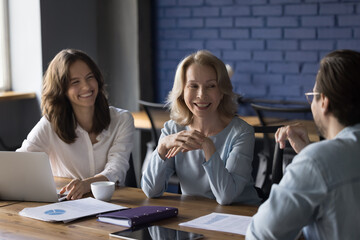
(69, 210)
(221, 222)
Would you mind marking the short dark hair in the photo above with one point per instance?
(55, 105)
(339, 80)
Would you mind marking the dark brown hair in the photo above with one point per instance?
(339, 80)
(57, 108)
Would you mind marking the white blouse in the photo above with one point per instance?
(82, 159)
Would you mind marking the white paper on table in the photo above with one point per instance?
(221, 222)
(69, 210)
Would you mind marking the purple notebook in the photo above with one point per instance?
(138, 216)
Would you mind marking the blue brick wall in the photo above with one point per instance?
(274, 46)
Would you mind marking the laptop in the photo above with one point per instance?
(27, 176)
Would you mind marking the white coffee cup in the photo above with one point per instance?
(103, 190)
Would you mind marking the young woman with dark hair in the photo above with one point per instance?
(86, 140)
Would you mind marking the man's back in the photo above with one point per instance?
(320, 190)
(338, 162)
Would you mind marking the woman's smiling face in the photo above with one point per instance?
(201, 92)
(83, 86)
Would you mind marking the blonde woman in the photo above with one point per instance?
(205, 143)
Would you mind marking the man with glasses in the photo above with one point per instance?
(320, 191)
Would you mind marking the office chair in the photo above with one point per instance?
(287, 107)
(151, 110)
(279, 107)
(130, 179)
(275, 106)
(7, 147)
(268, 160)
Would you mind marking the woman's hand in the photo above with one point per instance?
(185, 141)
(77, 188)
(296, 134)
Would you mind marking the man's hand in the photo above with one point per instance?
(296, 134)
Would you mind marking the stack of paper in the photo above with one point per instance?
(221, 222)
(69, 210)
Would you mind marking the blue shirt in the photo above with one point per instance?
(319, 193)
(226, 176)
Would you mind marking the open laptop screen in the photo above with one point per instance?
(26, 176)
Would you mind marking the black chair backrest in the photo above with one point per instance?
(277, 166)
(260, 106)
(271, 162)
(130, 179)
(7, 147)
(148, 107)
(280, 106)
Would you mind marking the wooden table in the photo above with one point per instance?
(141, 121)
(14, 226)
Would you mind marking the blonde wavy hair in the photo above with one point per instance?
(179, 112)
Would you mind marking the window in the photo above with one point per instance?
(4, 47)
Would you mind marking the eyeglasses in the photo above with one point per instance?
(310, 96)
